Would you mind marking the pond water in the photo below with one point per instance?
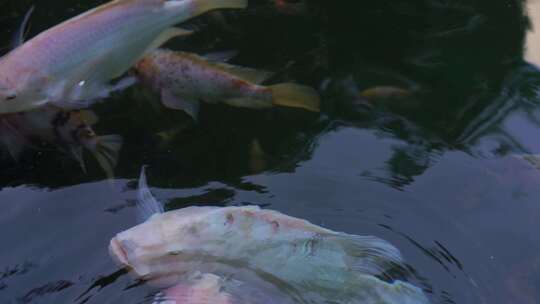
(440, 173)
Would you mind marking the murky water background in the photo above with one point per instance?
(436, 174)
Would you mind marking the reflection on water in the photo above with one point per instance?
(437, 173)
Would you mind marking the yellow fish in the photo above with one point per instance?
(183, 79)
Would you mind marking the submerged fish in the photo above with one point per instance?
(386, 92)
(199, 289)
(69, 130)
(209, 288)
(183, 79)
(317, 264)
(73, 63)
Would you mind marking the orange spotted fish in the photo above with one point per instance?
(183, 79)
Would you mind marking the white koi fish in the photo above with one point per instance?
(183, 79)
(315, 264)
(73, 63)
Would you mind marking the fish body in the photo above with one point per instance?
(183, 79)
(315, 262)
(74, 62)
(69, 130)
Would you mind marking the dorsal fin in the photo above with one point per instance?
(248, 74)
(147, 204)
(18, 38)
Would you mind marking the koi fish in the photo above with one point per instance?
(70, 131)
(72, 64)
(311, 262)
(183, 79)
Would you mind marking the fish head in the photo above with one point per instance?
(19, 92)
(180, 236)
(147, 71)
(159, 240)
(8, 95)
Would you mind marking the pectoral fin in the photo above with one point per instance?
(107, 152)
(172, 101)
(77, 153)
(167, 35)
(368, 254)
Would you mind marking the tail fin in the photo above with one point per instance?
(203, 6)
(107, 152)
(295, 96)
(146, 202)
(369, 254)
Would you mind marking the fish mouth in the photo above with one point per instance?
(118, 253)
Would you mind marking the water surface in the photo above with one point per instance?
(438, 174)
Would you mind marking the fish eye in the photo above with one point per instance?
(11, 97)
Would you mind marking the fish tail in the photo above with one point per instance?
(107, 151)
(147, 204)
(295, 96)
(369, 254)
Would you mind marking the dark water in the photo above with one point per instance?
(437, 173)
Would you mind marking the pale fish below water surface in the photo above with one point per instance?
(208, 288)
(183, 79)
(73, 63)
(311, 264)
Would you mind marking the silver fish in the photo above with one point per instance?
(183, 79)
(73, 63)
(317, 264)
